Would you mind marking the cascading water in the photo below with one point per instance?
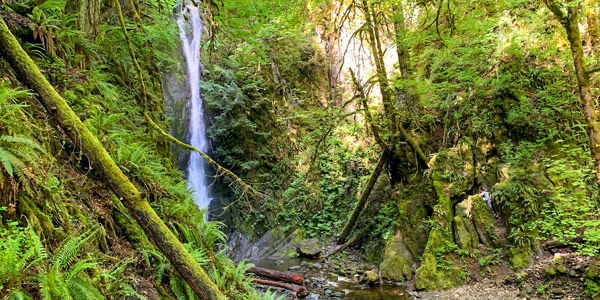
(190, 32)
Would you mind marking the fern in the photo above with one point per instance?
(69, 248)
(18, 295)
(181, 289)
(80, 289)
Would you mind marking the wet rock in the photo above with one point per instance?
(371, 277)
(309, 247)
(294, 268)
(397, 261)
(336, 294)
(313, 296)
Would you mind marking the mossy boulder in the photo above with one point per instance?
(485, 223)
(520, 256)
(288, 246)
(411, 198)
(309, 247)
(370, 277)
(431, 277)
(465, 234)
(397, 260)
(453, 171)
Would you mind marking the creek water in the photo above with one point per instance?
(343, 288)
(190, 33)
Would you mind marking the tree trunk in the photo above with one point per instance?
(276, 275)
(388, 107)
(571, 25)
(29, 74)
(299, 291)
(363, 198)
(88, 15)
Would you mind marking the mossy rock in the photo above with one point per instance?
(411, 199)
(371, 277)
(397, 260)
(465, 234)
(288, 246)
(309, 247)
(520, 256)
(485, 224)
(429, 276)
(453, 171)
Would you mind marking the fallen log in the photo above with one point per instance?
(297, 290)
(277, 275)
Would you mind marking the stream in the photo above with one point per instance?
(321, 285)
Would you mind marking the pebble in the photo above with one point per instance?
(572, 273)
(294, 268)
(528, 289)
(336, 294)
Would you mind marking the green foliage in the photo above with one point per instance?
(20, 250)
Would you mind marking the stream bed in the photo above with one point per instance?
(324, 281)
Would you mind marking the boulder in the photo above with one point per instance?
(371, 277)
(465, 234)
(429, 276)
(485, 224)
(397, 260)
(309, 247)
(287, 248)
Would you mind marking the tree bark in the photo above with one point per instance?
(571, 25)
(88, 15)
(276, 275)
(29, 74)
(299, 291)
(363, 198)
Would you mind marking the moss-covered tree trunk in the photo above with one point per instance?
(29, 74)
(88, 15)
(569, 21)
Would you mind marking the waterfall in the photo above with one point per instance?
(190, 32)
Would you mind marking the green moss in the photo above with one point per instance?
(397, 261)
(465, 234)
(485, 223)
(520, 256)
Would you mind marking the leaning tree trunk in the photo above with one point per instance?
(570, 23)
(360, 205)
(29, 74)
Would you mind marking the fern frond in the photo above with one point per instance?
(18, 295)
(81, 289)
(68, 250)
(21, 140)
